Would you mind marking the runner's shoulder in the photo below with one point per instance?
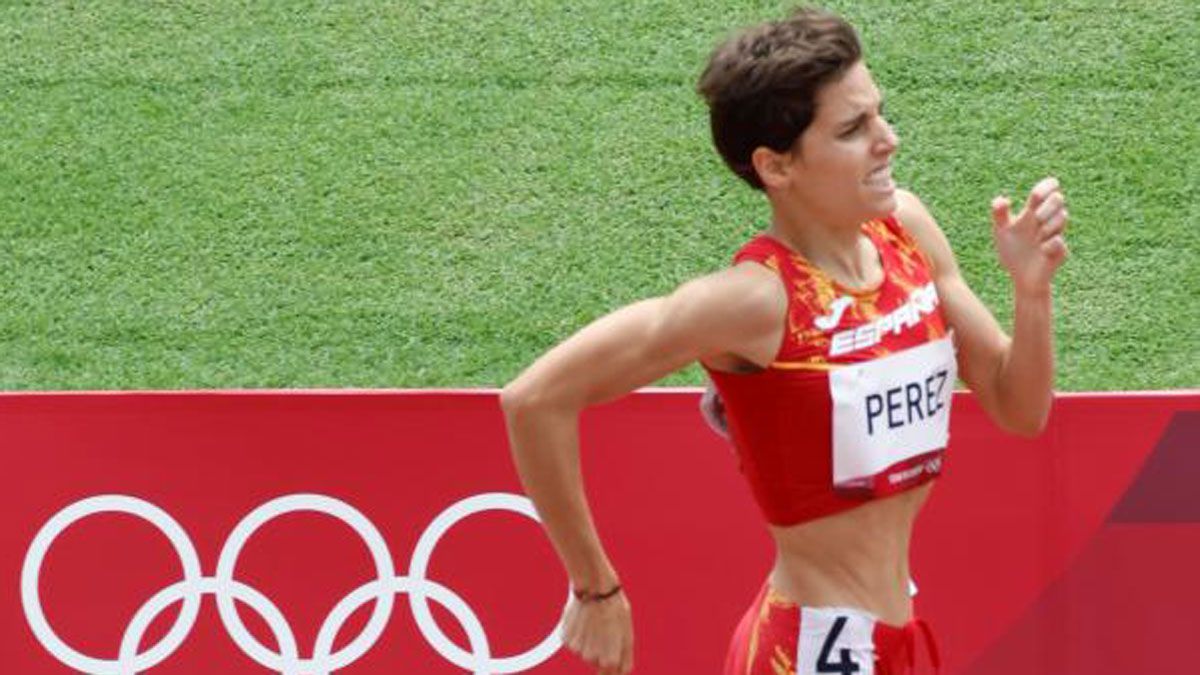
(911, 211)
(746, 297)
(915, 217)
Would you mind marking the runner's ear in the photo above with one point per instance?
(771, 166)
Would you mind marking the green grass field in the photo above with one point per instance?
(418, 193)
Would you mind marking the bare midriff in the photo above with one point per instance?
(857, 558)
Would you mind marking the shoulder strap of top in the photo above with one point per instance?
(761, 249)
(892, 232)
(775, 255)
(772, 253)
(803, 291)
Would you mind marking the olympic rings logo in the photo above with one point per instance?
(287, 661)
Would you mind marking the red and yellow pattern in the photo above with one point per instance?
(766, 639)
(812, 292)
(767, 642)
(780, 417)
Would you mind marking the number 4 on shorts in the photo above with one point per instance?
(845, 664)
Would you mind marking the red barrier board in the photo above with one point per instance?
(383, 532)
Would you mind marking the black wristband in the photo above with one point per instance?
(589, 596)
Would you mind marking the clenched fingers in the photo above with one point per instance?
(1045, 199)
(1054, 225)
(1050, 206)
(604, 653)
(1055, 248)
(1042, 191)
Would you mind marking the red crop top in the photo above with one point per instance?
(856, 404)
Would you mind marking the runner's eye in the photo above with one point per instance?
(850, 131)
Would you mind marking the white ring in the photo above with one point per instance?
(171, 594)
(493, 501)
(31, 571)
(287, 661)
(233, 547)
(479, 662)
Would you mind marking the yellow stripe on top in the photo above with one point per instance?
(805, 365)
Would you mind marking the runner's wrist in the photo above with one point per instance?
(593, 596)
(593, 575)
(596, 582)
(1040, 291)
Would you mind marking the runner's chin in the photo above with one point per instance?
(880, 200)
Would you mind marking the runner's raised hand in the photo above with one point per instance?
(1032, 246)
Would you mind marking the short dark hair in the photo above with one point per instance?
(761, 84)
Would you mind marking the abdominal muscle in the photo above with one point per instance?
(857, 558)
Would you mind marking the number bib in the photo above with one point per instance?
(889, 410)
(835, 640)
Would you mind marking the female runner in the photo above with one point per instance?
(833, 340)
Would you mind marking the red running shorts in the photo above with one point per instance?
(778, 637)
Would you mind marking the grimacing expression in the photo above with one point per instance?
(842, 161)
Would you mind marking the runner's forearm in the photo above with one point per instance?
(545, 449)
(1025, 383)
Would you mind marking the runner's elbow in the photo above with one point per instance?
(515, 398)
(525, 396)
(1026, 423)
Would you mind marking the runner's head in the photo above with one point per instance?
(788, 91)
(761, 84)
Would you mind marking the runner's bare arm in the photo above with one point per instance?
(1013, 378)
(732, 311)
(737, 311)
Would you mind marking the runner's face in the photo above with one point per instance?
(844, 163)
